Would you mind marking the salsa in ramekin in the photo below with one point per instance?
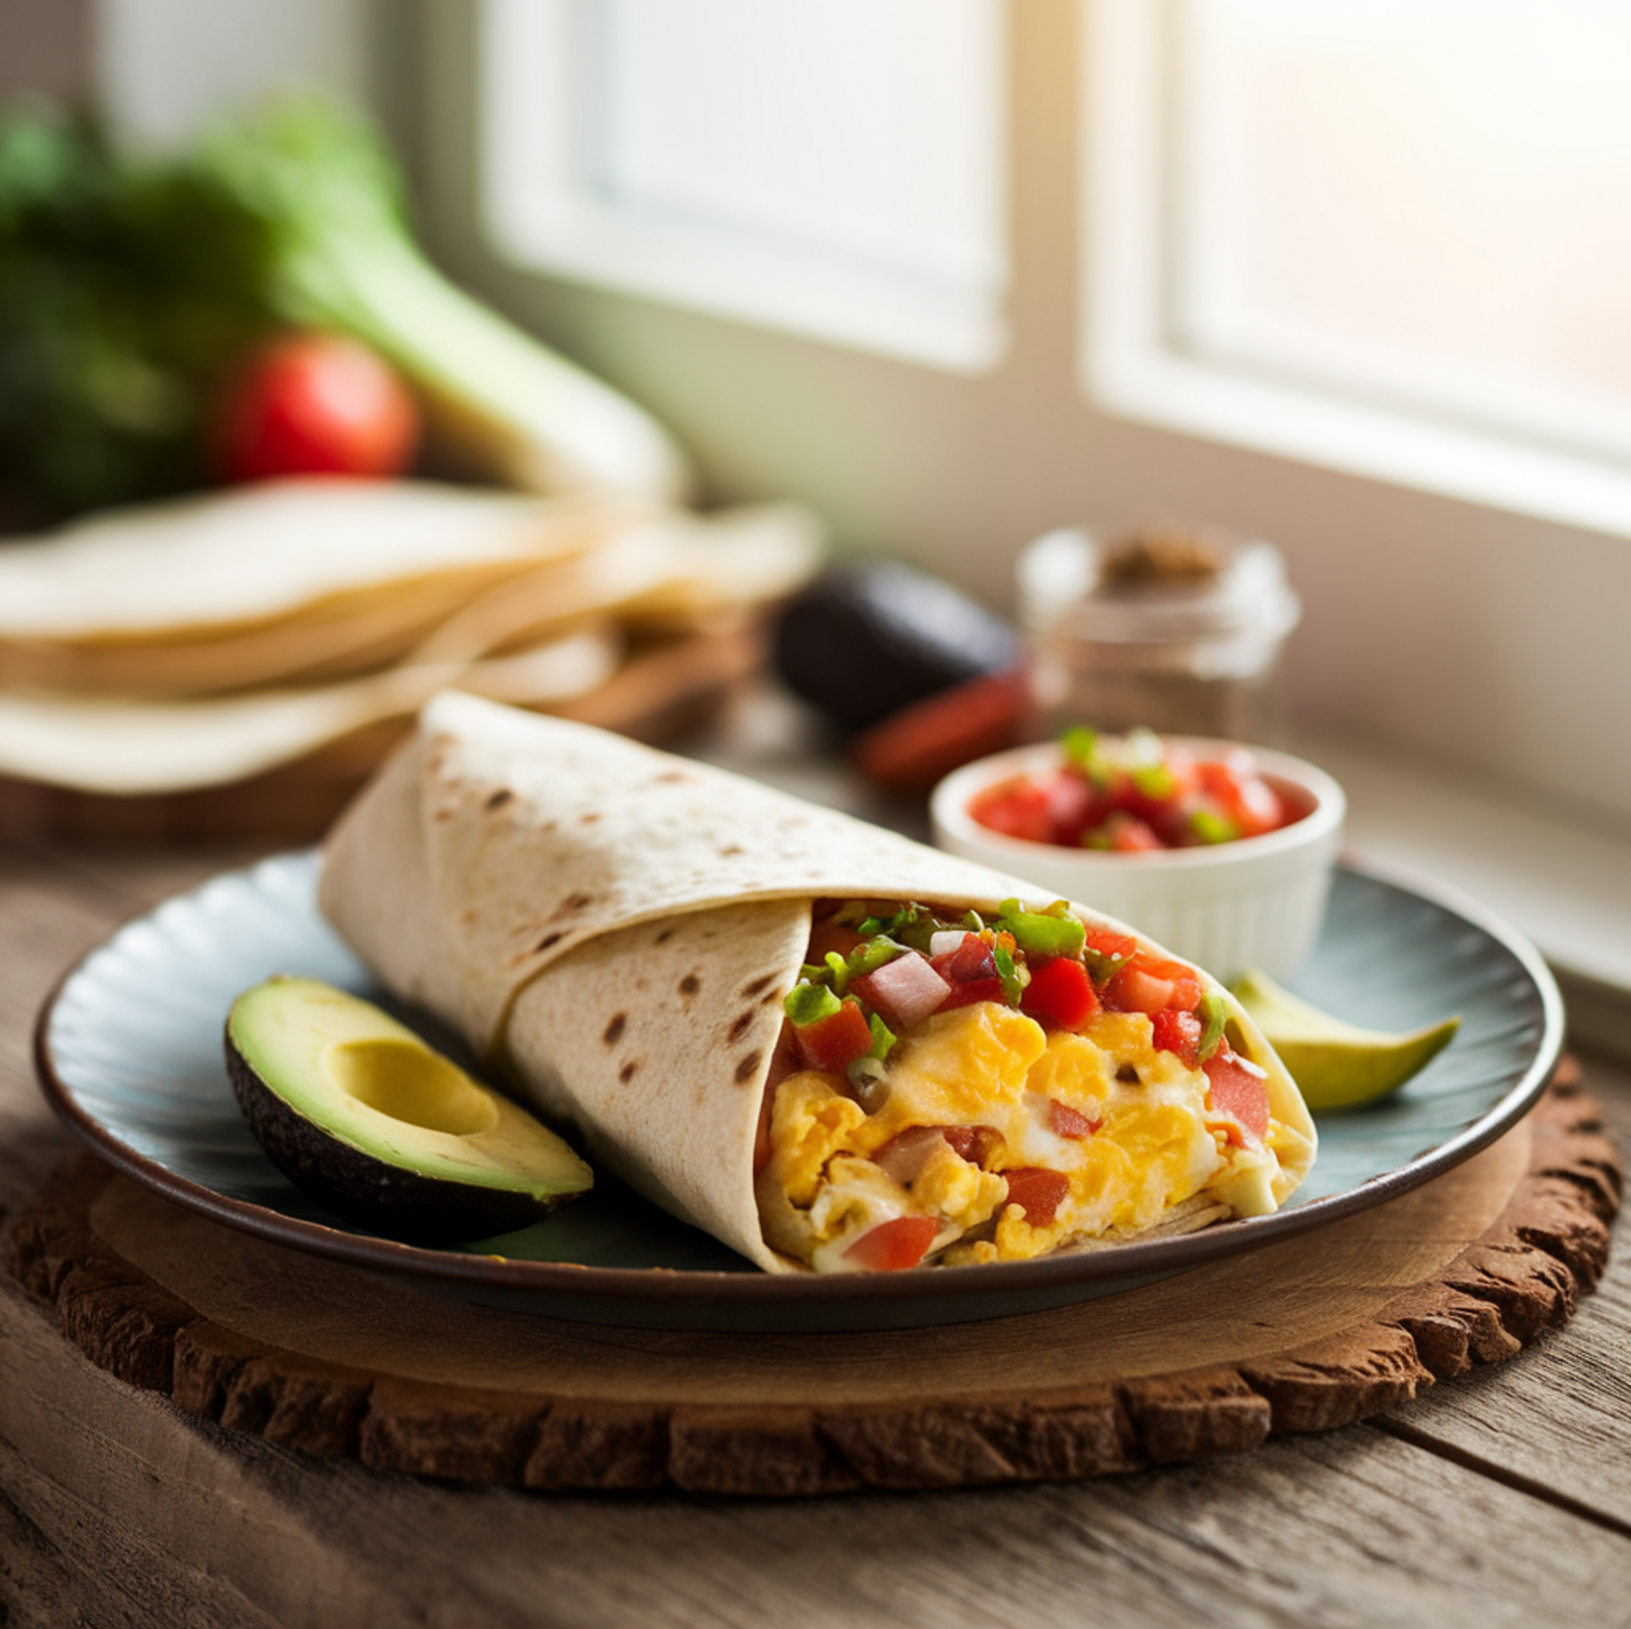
(1134, 794)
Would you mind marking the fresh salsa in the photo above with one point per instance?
(1134, 793)
(883, 1039)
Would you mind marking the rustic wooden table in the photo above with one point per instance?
(1501, 1497)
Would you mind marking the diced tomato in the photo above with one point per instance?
(971, 971)
(1179, 1033)
(1064, 1121)
(891, 1246)
(1131, 835)
(972, 959)
(965, 995)
(1038, 1191)
(1242, 794)
(1073, 807)
(833, 1043)
(1110, 945)
(1016, 808)
(1149, 985)
(1239, 1088)
(1061, 990)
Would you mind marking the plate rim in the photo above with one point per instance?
(663, 1287)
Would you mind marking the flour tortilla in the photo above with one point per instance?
(613, 929)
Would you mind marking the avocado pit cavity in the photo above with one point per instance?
(406, 1081)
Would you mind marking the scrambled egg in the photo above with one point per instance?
(1156, 1143)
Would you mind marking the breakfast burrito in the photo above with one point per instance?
(831, 1047)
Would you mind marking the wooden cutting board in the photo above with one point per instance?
(1307, 1334)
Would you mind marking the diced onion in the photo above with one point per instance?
(906, 990)
(946, 941)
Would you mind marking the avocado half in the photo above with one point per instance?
(360, 1113)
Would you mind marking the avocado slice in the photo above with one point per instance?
(362, 1114)
(1337, 1065)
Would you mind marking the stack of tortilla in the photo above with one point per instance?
(198, 643)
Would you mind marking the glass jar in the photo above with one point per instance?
(1178, 629)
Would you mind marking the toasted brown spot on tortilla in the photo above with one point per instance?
(588, 819)
(751, 990)
(733, 848)
(747, 1067)
(548, 940)
(663, 937)
(672, 775)
(740, 1027)
(770, 997)
(690, 984)
(626, 1073)
(498, 799)
(614, 1030)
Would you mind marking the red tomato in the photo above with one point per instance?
(1016, 808)
(1240, 1089)
(1102, 942)
(891, 1246)
(1130, 835)
(1064, 1121)
(971, 971)
(1242, 795)
(833, 1043)
(1179, 1033)
(1148, 985)
(1061, 990)
(315, 404)
(1039, 1192)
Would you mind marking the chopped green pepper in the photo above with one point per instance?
(807, 1003)
(1216, 1015)
(883, 1038)
(1043, 933)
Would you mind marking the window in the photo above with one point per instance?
(1391, 238)
(834, 169)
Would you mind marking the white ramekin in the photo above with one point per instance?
(1255, 902)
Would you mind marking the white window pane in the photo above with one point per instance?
(832, 127)
(835, 169)
(1423, 201)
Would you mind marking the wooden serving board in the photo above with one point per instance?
(1304, 1335)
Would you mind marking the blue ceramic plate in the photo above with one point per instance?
(130, 1055)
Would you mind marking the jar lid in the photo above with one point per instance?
(1155, 585)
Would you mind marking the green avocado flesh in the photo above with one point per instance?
(1336, 1064)
(356, 1110)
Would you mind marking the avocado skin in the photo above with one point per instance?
(868, 638)
(382, 1197)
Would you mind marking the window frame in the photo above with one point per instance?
(1135, 363)
(543, 214)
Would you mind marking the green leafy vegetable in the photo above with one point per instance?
(130, 286)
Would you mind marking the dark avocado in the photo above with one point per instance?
(869, 637)
(356, 1110)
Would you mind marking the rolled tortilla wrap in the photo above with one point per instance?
(614, 930)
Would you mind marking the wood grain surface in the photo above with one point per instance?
(1307, 1334)
(1502, 1498)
